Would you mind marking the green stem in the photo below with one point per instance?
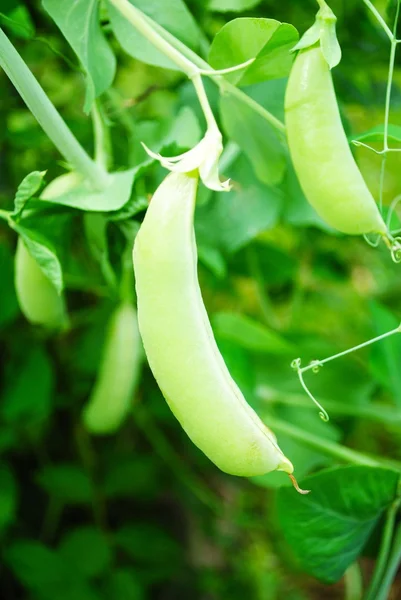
(392, 567)
(327, 447)
(223, 84)
(385, 547)
(353, 582)
(46, 114)
(264, 300)
(103, 153)
(379, 18)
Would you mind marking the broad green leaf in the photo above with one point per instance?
(328, 528)
(79, 23)
(9, 308)
(376, 134)
(123, 585)
(87, 549)
(28, 187)
(266, 40)
(116, 194)
(249, 334)
(261, 143)
(232, 5)
(42, 251)
(213, 259)
(385, 357)
(68, 482)
(240, 365)
(236, 218)
(8, 496)
(172, 16)
(28, 396)
(95, 225)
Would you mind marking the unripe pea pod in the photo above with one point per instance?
(323, 161)
(112, 395)
(179, 342)
(38, 298)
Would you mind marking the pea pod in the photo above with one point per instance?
(325, 166)
(112, 395)
(179, 341)
(39, 300)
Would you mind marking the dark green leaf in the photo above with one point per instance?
(328, 528)
(43, 252)
(148, 543)
(87, 549)
(124, 585)
(8, 496)
(67, 482)
(28, 397)
(9, 308)
(232, 5)
(376, 134)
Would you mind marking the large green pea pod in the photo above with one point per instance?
(111, 398)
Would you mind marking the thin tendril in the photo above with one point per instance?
(296, 486)
(296, 365)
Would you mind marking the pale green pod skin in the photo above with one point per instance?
(113, 393)
(38, 298)
(320, 152)
(179, 341)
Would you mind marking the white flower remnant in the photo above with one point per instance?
(204, 157)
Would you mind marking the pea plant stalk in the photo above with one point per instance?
(47, 116)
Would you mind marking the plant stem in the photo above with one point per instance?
(103, 153)
(327, 447)
(223, 84)
(255, 271)
(46, 114)
(392, 567)
(379, 18)
(353, 582)
(385, 546)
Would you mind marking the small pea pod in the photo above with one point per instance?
(39, 300)
(179, 341)
(112, 395)
(323, 161)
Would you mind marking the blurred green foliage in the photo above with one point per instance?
(143, 514)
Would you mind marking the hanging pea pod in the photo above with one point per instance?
(112, 396)
(179, 341)
(320, 152)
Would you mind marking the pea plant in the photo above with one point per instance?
(195, 194)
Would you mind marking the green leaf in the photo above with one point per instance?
(123, 585)
(68, 482)
(87, 549)
(28, 187)
(266, 40)
(172, 16)
(236, 218)
(328, 528)
(42, 251)
(79, 23)
(249, 334)
(15, 17)
(232, 5)
(385, 358)
(376, 134)
(132, 478)
(264, 146)
(113, 197)
(28, 396)
(8, 496)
